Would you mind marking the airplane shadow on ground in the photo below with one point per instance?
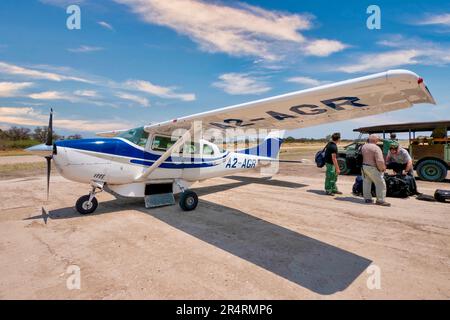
(310, 263)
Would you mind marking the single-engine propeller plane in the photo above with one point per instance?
(155, 163)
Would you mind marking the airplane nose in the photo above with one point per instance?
(42, 150)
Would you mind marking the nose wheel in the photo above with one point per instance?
(88, 203)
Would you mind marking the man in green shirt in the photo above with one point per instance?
(387, 143)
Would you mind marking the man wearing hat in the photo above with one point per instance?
(399, 160)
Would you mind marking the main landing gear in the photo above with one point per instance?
(188, 198)
(88, 203)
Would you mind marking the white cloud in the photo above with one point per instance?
(87, 93)
(404, 51)
(85, 49)
(105, 25)
(11, 69)
(62, 3)
(163, 92)
(241, 83)
(50, 95)
(134, 98)
(28, 116)
(12, 89)
(439, 19)
(79, 96)
(382, 61)
(238, 30)
(305, 81)
(324, 47)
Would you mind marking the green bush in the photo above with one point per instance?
(17, 144)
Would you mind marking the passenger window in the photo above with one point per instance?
(191, 148)
(161, 143)
(208, 150)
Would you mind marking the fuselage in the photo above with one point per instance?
(118, 162)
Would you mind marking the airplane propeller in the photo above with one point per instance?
(49, 142)
(46, 150)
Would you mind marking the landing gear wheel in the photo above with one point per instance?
(84, 206)
(188, 200)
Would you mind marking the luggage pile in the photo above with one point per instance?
(398, 186)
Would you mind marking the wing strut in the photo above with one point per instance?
(186, 136)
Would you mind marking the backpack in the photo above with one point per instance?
(320, 157)
(357, 188)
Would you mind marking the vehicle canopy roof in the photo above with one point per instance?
(405, 127)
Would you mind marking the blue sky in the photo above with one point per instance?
(140, 61)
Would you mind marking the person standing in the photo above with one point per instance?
(332, 166)
(372, 171)
(387, 143)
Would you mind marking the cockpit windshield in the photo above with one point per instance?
(136, 135)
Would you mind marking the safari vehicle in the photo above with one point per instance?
(430, 153)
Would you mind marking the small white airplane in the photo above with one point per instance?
(154, 163)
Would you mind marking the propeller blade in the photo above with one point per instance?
(49, 170)
(49, 141)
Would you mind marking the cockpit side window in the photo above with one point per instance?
(162, 143)
(136, 135)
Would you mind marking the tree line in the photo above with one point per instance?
(307, 140)
(38, 134)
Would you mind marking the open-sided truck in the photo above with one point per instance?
(430, 152)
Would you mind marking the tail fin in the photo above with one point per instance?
(270, 147)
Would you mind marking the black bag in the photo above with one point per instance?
(442, 195)
(357, 189)
(320, 157)
(399, 186)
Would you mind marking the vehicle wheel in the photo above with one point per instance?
(432, 170)
(84, 206)
(342, 162)
(188, 200)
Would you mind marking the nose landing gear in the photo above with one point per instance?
(88, 203)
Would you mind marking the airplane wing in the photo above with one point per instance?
(360, 97)
(110, 134)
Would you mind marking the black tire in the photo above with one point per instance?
(432, 170)
(188, 200)
(83, 207)
(342, 162)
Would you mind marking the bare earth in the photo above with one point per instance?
(249, 238)
(19, 159)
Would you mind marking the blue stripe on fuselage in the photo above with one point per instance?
(118, 147)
